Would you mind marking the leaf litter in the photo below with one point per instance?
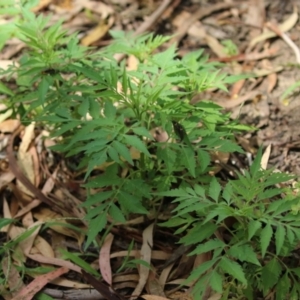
(264, 49)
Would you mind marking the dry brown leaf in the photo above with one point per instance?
(154, 297)
(236, 88)
(5, 114)
(27, 220)
(153, 285)
(46, 215)
(227, 103)
(6, 214)
(36, 165)
(70, 283)
(179, 281)
(48, 186)
(197, 30)
(54, 261)
(28, 208)
(256, 14)
(5, 178)
(272, 81)
(132, 63)
(43, 247)
(215, 45)
(41, 5)
(5, 63)
(9, 126)
(25, 159)
(14, 201)
(99, 7)
(155, 254)
(216, 296)
(28, 292)
(50, 182)
(98, 32)
(104, 259)
(145, 256)
(266, 72)
(165, 274)
(126, 278)
(57, 242)
(220, 158)
(178, 295)
(28, 242)
(265, 158)
(180, 18)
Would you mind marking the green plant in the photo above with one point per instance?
(139, 139)
(104, 113)
(230, 47)
(289, 91)
(250, 228)
(11, 9)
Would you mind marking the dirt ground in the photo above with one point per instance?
(257, 37)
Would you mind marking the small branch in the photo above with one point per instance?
(287, 39)
(153, 18)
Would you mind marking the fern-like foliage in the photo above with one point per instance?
(107, 117)
(260, 232)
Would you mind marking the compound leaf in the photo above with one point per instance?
(270, 274)
(279, 238)
(265, 238)
(134, 141)
(214, 189)
(232, 268)
(122, 150)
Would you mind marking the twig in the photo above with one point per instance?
(14, 167)
(74, 294)
(152, 19)
(287, 39)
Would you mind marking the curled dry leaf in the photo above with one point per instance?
(104, 259)
(265, 158)
(25, 160)
(145, 256)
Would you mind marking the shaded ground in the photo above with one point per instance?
(198, 24)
